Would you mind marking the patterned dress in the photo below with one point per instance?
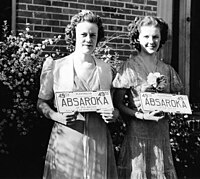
(83, 149)
(145, 152)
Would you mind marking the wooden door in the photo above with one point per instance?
(178, 15)
(184, 43)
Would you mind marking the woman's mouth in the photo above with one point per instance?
(89, 45)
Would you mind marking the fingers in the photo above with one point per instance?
(107, 119)
(70, 117)
(68, 114)
(154, 115)
(158, 113)
(107, 115)
(157, 118)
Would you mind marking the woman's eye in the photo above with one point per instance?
(90, 35)
(93, 35)
(156, 37)
(84, 34)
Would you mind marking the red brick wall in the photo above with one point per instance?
(48, 18)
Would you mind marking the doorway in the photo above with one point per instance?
(194, 53)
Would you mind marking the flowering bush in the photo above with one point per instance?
(103, 51)
(185, 142)
(20, 66)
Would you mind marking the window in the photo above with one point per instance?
(7, 12)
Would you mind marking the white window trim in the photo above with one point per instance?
(13, 19)
(164, 10)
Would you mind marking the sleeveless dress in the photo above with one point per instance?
(83, 149)
(145, 152)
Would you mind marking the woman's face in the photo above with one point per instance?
(86, 37)
(149, 39)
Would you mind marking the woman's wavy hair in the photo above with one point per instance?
(135, 26)
(84, 15)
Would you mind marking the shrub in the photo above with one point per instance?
(185, 143)
(20, 67)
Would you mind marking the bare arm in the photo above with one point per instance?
(43, 107)
(119, 103)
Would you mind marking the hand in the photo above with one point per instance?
(109, 115)
(153, 115)
(64, 118)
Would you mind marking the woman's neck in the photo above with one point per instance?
(84, 65)
(149, 62)
(84, 61)
(149, 59)
(82, 58)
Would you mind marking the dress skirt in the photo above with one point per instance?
(145, 152)
(82, 150)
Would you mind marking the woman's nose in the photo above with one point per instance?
(88, 38)
(151, 39)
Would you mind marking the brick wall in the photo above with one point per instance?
(48, 18)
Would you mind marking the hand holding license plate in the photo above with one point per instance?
(83, 101)
(165, 102)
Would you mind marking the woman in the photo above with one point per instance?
(82, 148)
(145, 152)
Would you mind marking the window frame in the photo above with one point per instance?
(13, 18)
(164, 10)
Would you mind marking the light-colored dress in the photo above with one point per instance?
(82, 150)
(145, 152)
